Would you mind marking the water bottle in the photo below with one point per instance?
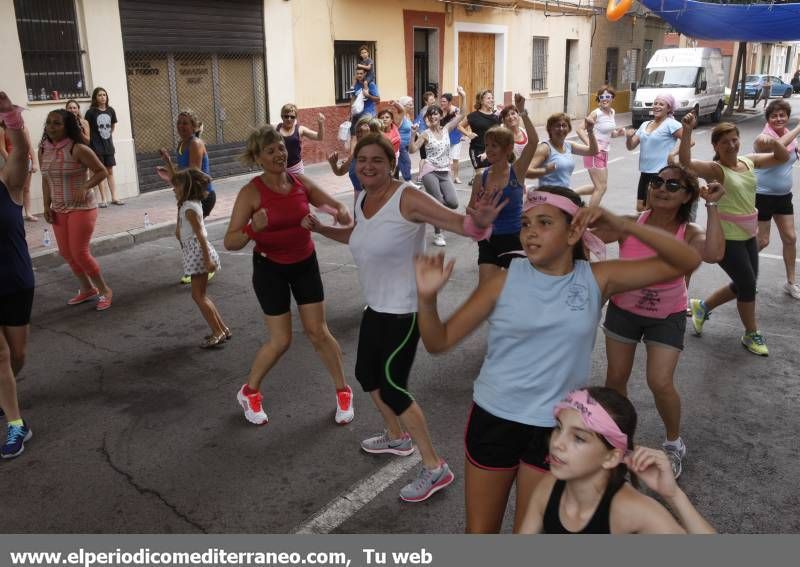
(146, 220)
(43, 94)
(46, 238)
(30, 94)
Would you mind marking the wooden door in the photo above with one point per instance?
(476, 65)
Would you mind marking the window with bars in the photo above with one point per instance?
(345, 59)
(612, 66)
(539, 70)
(51, 53)
(647, 53)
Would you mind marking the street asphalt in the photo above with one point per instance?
(137, 430)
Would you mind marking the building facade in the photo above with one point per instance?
(236, 62)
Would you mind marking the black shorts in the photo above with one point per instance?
(275, 283)
(644, 186)
(627, 327)
(494, 443)
(423, 153)
(208, 203)
(107, 159)
(15, 308)
(477, 163)
(387, 346)
(495, 249)
(770, 205)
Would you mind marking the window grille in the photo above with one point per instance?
(345, 59)
(51, 53)
(539, 71)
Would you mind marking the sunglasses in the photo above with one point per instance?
(289, 116)
(671, 185)
(605, 97)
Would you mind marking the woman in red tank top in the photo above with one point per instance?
(269, 210)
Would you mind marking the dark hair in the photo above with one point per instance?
(433, 110)
(506, 111)
(363, 48)
(94, 97)
(479, 98)
(578, 250)
(603, 89)
(194, 182)
(719, 131)
(777, 105)
(621, 410)
(379, 140)
(448, 96)
(71, 126)
(558, 117)
(428, 94)
(692, 187)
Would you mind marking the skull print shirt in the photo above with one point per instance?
(100, 125)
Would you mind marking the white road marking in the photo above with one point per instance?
(356, 497)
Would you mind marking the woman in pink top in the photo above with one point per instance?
(69, 202)
(656, 314)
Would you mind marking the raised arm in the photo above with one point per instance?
(317, 135)
(416, 206)
(540, 155)
(775, 152)
(432, 274)
(338, 168)
(673, 257)
(710, 244)
(398, 114)
(456, 121)
(15, 170)
(708, 170)
(522, 163)
(592, 148)
(417, 140)
(463, 127)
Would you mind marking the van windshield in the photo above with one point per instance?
(669, 77)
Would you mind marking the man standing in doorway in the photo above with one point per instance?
(371, 99)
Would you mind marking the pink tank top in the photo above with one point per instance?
(656, 301)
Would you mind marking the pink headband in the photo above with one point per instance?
(667, 99)
(595, 417)
(590, 240)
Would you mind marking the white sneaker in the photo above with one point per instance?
(438, 239)
(792, 289)
(253, 411)
(344, 406)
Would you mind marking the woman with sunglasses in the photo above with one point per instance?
(605, 128)
(739, 222)
(657, 137)
(655, 314)
(293, 134)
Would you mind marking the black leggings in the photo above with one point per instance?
(741, 264)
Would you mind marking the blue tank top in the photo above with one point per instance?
(509, 221)
(183, 161)
(405, 132)
(562, 176)
(541, 336)
(776, 180)
(16, 268)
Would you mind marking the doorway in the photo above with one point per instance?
(476, 56)
(571, 78)
(426, 64)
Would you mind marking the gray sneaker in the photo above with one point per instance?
(382, 444)
(675, 456)
(427, 484)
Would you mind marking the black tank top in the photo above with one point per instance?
(16, 269)
(599, 523)
(293, 147)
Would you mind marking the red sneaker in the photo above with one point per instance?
(251, 404)
(83, 296)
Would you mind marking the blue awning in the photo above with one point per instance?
(734, 22)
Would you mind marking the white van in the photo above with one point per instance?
(694, 76)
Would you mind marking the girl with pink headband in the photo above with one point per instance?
(543, 314)
(657, 138)
(591, 447)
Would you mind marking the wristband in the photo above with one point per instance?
(248, 230)
(13, 118)
(712, 204)
(474, 231)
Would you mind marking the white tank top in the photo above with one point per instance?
(437, 149)
(383, 248)
(604, 127)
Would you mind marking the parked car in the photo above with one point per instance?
(753, 84)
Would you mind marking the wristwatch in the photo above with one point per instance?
(712, 204)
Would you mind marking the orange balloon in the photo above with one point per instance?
(616, 9)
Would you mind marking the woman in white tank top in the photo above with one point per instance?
(388, 233)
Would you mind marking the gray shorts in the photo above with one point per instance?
(627, 327)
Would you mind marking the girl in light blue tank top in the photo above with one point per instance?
(564, 166)
(543, 315)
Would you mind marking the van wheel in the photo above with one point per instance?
(717, 116)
